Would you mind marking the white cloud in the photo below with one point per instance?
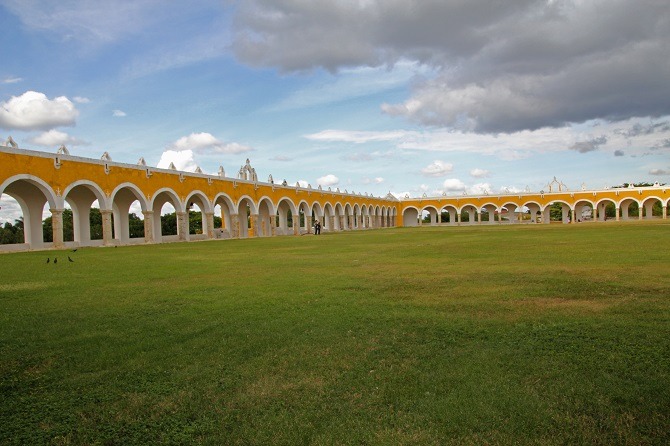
(281, 158)
(54, 138)
(659, 172)
(303, 183)
(480, 188)
(358, 137)
(182, 159)
(453, 184)
(11, 80)
(206, 143)
(376, 180)
(34, 111)
(119, 114)
(479, 173)
(81, 100)
(437, 169)
(328, 180)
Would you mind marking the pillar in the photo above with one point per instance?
(572, 213)
(617, 213)
(296, 224)
(107, 235)
(255, 230)
(182, 225)
(665, 212)
(209, 218)
(148, 226)
(57, 228)
(234, 226)
(273, 225)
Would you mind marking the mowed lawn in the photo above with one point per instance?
(542, 334)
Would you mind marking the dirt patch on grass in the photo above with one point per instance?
(562, 303)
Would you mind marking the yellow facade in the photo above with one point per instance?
(253, 208)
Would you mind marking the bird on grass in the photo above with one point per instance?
(55, 259)
(48, 259)
(75, 249)
(68, 257)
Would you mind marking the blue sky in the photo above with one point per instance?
(373, 96)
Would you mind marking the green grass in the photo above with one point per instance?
(545, 334)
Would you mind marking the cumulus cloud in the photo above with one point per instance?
(501, 67)
(54, 138)
(206, 143)
(182, 159)
(480, 188)
(34, 111)
(119, 114)
(328, 180)
(453, 184)
(659, 172)
(479, 173)
(437, 169)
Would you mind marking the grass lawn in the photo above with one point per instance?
(543, 334)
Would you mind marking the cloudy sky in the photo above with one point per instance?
(406, 96)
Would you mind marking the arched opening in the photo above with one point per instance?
(284, 217)
(265, 214)
(82, 219)
(410, 217)
(27, 202)
(328, 218)
(245, 209)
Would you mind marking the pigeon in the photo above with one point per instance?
(68, 257)
(75, 249)
(48, 259)
(55, 259)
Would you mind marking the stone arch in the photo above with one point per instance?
(348, 216)
(606, 206)
(625, 208)
(433, 215)
(471, 213)
(410, 216)
(488, 210)
(246, 208)
(304, 217)
(451, 212)
(535, 211)
(81, 195)
(329, 219)
(286, 215)
(584, 210)
(365, 216)
(265, 223)
(159, 199)
(358, 219)
(316, 213)
(339, 217)
(511, 210)
(227, 207)
(200, 199)
(32, 193)
(647, 206)
(565, 211)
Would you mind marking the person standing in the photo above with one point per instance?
(317, 228)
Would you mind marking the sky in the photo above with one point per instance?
(410, 97)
